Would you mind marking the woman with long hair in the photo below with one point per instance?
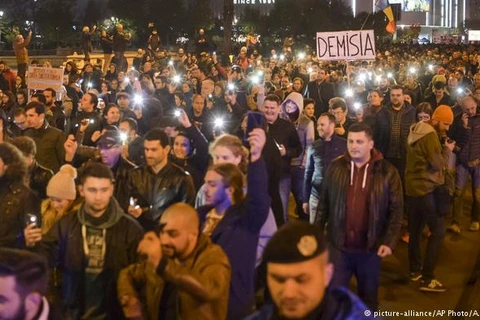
(190, 150)
(228, 148)
(8, 104)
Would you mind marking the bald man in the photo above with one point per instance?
(184, 276)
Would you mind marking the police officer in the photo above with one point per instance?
(298, 275)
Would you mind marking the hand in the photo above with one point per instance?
(83, 125)
(233, 99)
(96, 135)
(306, 208)
(384, 251)
(283, 150)
(183, 119)
(214, 58)
(135, 211)
(70, 146)
(132, 308)
(125, 150)
(30, 32)
(257, 139)
(465, 118)
(33, 235)
(340, 130)
(450, 145)
(152, 248)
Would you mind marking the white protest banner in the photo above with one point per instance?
(40, 78)
(346, 45)
(473, 35)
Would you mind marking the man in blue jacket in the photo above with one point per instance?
(233, 221)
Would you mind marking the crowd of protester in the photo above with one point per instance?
(154, 190)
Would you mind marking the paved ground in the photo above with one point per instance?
(458, 269)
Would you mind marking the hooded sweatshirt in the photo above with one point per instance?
(94, 232)
(356, 210)
(426, 162)
(292, 110)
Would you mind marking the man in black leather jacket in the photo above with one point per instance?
(16, 199)
(151, 188)
(38, 175)
(362, 202)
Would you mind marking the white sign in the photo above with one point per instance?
(473, 35)
(39, 78)
(346, 45)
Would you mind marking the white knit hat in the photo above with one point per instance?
(62, 184)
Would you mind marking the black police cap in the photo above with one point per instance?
(295, 242)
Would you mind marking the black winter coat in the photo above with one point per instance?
(383, 129)
(16, 201)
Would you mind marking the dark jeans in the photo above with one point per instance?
(463, 172)
(424, 210)
(365, 266)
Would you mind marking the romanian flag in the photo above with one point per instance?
(387, 9)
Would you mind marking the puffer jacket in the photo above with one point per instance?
(385, 203)
(16, 201)
(202, 283)
(383, 129)
(155, 192)
(319, 157)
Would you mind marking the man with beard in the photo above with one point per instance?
(392, 127)
(319, 156)
(428, 197)
(321, 91)
(185, 275)
(54, 114)
(23, 285)
(92, 244)
(153, 187)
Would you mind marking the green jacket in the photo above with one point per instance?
(426, 160)
(202, 283)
